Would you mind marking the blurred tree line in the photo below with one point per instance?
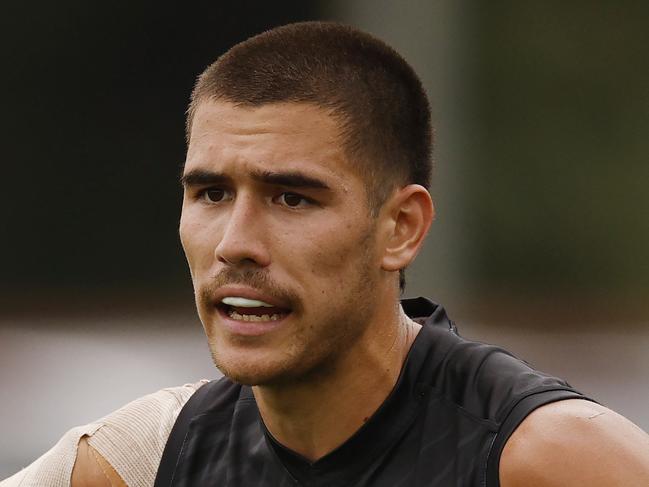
(554, 188)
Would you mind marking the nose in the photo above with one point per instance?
(243, 241)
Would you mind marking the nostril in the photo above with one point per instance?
(237, 261)
(243, 254)
(224, 260)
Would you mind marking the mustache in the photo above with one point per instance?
(256, 279)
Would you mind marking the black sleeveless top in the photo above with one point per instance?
(445, 424)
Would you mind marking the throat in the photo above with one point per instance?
(314, 419)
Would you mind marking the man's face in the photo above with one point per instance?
(280, 244)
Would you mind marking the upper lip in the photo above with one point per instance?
(248, 293)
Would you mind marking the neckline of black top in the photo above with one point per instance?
(386, 426)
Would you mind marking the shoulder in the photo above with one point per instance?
(483, 380)
(575, 442)
(489, 382)
(153, 410)
(93, 470)
(132, 438)
(129, 441)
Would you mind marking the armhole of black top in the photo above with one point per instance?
(515, 417)
(176, 438)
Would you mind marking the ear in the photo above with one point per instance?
(405, 220)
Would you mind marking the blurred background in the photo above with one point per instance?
(541, 183)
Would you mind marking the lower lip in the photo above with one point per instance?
(249, 328)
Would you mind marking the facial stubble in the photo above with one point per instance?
(315, 346)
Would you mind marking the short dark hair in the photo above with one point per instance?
(377, 98)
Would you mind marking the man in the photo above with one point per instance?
(304, 199)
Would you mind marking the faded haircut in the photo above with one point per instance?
(376, 97)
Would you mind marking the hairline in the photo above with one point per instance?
(374, 200)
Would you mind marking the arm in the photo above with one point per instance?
(92, 470)
(89, 455)
(575, 443)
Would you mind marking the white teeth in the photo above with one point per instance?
(244, 302)
(238, 316)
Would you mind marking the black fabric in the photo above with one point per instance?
(173, 447)
(445, 423)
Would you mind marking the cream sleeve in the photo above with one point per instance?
(131, 439)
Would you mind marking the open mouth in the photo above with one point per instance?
(244, 309)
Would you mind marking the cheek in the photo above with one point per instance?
(198, 242)
(336, 252)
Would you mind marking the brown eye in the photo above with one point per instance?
(292, 199)
(215, 195)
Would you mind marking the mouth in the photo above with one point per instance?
(238, 308)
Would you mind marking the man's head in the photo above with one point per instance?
(300, 206)
(376, 97)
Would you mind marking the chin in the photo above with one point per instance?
(256, 368)
(258, 376)
(251, 368)
(251, 377)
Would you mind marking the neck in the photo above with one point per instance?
(313, 417)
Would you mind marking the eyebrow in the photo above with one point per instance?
(292, 179)
(199, 177)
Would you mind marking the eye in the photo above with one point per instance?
(293, 200)
(215, 195)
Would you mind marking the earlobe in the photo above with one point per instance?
(410, 212)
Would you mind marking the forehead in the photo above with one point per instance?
(297, 136)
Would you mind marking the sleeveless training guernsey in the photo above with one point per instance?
(445, 423)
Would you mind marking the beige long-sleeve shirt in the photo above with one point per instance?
(131, 439)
